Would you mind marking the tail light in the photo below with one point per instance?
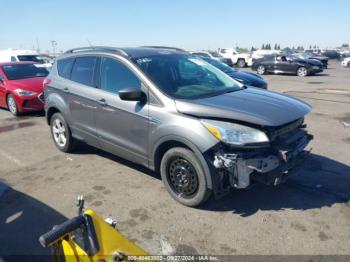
(46, 82)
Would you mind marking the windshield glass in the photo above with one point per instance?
(185, 77)
(14, 72)
(31, 58)
(214, 54)
(223, 67)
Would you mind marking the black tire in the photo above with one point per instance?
(70, 142)
(241, 63)
(182, 161)
(12, 105)
(348, 65)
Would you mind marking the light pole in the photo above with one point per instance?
(53, 44)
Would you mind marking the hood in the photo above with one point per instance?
(34, 84)
(247, 78)
(251, 105)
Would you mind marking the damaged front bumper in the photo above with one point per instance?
(272, 164)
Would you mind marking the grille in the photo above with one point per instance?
(285, 129)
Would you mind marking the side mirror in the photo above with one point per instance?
(131, 94)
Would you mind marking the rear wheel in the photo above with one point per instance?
(261, 70)
(302, 71)
(348, 65)
(241, 63)
(12, 105)
(183, 177)
(61, 133)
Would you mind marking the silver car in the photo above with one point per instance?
(163, 108)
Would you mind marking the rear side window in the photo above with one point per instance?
(116, 76)
(64, 67)
(83, 70)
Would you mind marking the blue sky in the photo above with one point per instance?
(191, 24)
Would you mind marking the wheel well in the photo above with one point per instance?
(163, 148)
(50, 113)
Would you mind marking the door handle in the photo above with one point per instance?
(102, 102)
(66, 90)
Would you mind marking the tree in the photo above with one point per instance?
(345, 45)
(275, 47)
(279, 47)
(263, 47)
(252, 49)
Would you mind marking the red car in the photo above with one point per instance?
(21, 86)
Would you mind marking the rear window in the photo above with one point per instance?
(83, 70)
(64, 67)
(14, 72)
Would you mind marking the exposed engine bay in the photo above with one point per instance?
(269, 164)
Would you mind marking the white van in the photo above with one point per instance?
(17, 55)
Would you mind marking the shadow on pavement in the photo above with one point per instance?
(321, 182)
(22, 220)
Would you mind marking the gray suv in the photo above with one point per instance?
(175, 114)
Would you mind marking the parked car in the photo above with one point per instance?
(21, 87)
(331, 54)
(209, 54)
(246, 78)
(17, 55)
(177, 115)
(234, 57)
(310, 55)
(257, 54)
(346, 62)
(287, 65)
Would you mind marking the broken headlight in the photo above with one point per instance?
(234, 134)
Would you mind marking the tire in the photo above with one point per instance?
(61, 133)
(261, 70)
(348, 64)
(302, 71)
(12, 105)
(184, 177)
(241, 63)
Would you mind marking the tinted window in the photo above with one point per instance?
(116, 76)
(64, 67)
(83, 70)
(31, 58)
(14, 72)
(13, 59)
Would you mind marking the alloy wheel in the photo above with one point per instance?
(302, 71)
(261, 70)
(59, 133)
(11, 103)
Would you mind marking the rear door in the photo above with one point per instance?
(122, 126)
(82, 98)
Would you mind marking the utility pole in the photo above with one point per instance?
(37, 45)
(53, 44)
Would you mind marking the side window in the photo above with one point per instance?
(64, 67)
(116, 76)
(83, 70)
(13, 59)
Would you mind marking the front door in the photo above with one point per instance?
(122, 126)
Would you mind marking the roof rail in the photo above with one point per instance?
(166, 47)
(96, 48)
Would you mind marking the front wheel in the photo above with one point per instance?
(184, 177)
(261, 70)
(348, 65)
(302, 71)
(241, 63)
(12, 105)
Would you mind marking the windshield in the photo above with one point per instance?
(214, 54)
(223, 67)
(185, 77)
(14, 72)
(31, 58)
